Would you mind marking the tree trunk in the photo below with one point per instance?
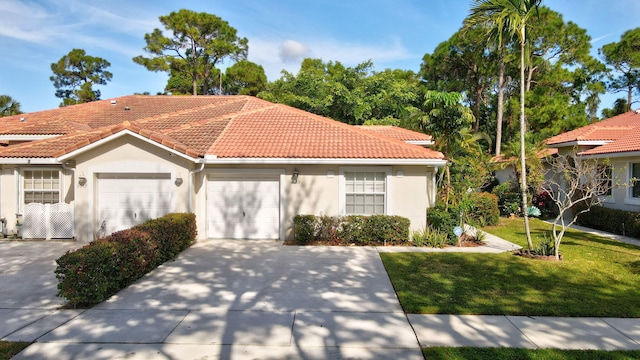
(523, 163)
(500, 101)
(629, 97)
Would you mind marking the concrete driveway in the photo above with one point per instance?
(240, 299)
(26, 275)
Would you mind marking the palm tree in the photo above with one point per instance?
(8, 106)
(443, 116)
(511, 16)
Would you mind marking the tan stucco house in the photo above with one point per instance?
(616, 141)
(243, 165)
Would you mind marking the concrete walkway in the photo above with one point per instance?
(261, 300)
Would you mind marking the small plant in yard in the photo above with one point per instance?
(545, 247)
(430, 237)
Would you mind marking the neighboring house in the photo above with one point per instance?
(618, 140)
(243, 165)
(505, 171)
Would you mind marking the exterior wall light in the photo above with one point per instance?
(294, 177)
(178, 181)
(82, 181)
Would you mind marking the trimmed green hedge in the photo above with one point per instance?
(611, 220)
(93, 273)
(372, 230)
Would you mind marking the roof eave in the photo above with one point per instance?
(29, 161)
(618, 154)
(213, 160)
(420, 142)
(580, 143)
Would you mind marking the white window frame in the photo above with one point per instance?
(629, 199)
(22, 189)
(608, 198)
(342, 193)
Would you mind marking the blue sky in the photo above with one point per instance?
(392, 33)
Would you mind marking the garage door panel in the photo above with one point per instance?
(127, 200)
(246, 208)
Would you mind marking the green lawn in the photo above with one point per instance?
(9, 349)
(469, 353)
(598, 277)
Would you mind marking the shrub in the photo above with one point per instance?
(483, 209)
(444, 220)
(385, 229)
(611, 220)
(100, 269)
(327, 228)
(351, 229)
(508, 198)
(304, 229)
(172, 233)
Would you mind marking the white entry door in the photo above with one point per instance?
(243, 208)
(126, 200)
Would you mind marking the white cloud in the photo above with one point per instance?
(268, 53)
(24, 21)
(291, 51)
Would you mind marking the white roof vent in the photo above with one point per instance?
(637, 111)
(23, 119)
(113, 102)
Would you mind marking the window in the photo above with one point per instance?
(365, 193)
(605, 179)
(634, 180)
(41, 186)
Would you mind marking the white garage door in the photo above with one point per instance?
(128, 200)
(243, 208)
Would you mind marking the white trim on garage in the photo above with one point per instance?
(125, 200)
(230, 173)
(137, 168)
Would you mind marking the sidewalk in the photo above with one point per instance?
(289, 302)
(624, 239)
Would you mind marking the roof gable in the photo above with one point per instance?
(615, 135)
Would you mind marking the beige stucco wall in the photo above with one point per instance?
(124, 155)
(411, 190)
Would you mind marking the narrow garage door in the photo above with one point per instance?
(126, 200)
(243, 208)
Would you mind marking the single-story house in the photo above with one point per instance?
(616, 139)
(243, 165)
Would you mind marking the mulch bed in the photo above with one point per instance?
(527, 254)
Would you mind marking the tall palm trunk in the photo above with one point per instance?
(523, 164)
(500, 101)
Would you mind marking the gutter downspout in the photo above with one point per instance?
(191, 180)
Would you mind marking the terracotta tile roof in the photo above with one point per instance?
(605, 130)
(627, 143)
(617, 134)
(284, 132)
(224, 126)
(397, 133)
